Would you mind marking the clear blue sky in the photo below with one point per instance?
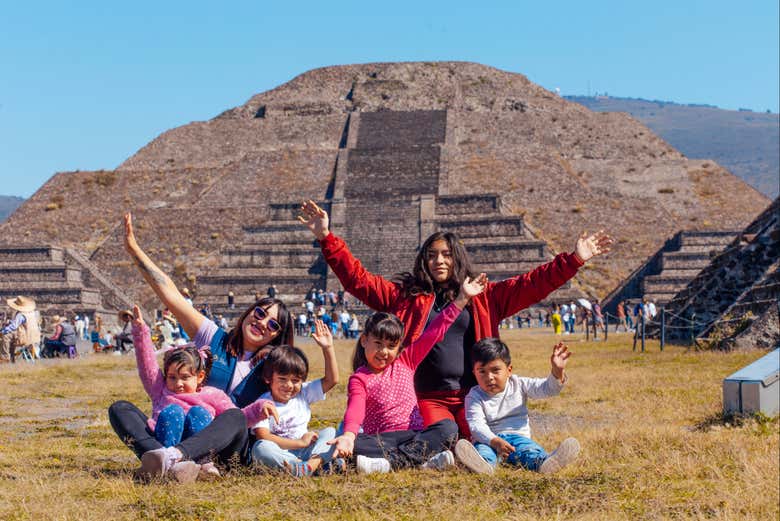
(86, 84)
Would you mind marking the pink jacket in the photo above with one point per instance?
(214, 400)
(383, 402)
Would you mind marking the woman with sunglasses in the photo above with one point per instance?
(238, 355)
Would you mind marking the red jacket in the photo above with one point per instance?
(498, 301)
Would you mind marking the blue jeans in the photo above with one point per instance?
(268, 453)
(173, 425)
(528, 454)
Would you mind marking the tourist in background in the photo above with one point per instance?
(24, 328)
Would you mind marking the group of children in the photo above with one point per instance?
(382, 423)
(385, 426)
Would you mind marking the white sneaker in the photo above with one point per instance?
(471, 459)
(208, 472)
(185, 471)
(565, 453)
(157, 463)
(440, 461)
(367, 465)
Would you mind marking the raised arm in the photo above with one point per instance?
(324, 339)
(162, 285)
(148, 370)
(373, 290)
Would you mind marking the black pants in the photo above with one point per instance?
(408, 448)
(225, 439)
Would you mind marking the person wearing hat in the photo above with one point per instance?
(124, 339)
(63, 341)
(24, 326)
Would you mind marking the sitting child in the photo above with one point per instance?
(287, 442)
(381, 396)
(181, 405)
(497, 413)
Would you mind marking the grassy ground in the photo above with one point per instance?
(655, 446)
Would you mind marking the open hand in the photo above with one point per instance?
(588, 246)
(138, 319)
(315, 218)
(558, 359)
(322, 334)
(473, 287)
(130, 242)
(345, 445)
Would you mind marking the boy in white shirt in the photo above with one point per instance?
(497, 413)
(288, 443)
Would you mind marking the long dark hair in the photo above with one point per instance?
(235, 340)
(384, 326)
(420, 281)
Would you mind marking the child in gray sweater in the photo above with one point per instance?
(497, 413)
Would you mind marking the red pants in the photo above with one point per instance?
(440, 405)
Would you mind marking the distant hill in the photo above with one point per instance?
(8, 203)
(745, 142)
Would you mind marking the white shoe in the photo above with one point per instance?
(185, 471)
(208, 472)
(440, 461)
(471, 459)
(152, 464)
(367, 465)
(565, 453)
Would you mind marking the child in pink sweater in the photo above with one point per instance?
(181, 405)
(381, 396)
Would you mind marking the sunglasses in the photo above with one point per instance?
(260, 314)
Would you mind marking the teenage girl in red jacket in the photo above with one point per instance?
(445, 376)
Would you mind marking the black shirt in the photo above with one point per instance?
(448, 365)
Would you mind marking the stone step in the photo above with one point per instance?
(286, 286)
(270, 258)
(704, 249)
(259, 273)
(684, 260)
(467, 204)
(30, 273)
(512, 268)
(715, 238)
(686, 273)
(657, 283)
(484, 227)
(659, 297)
(486, 251)
(55, 295)
(34, 254)
(278, 235)
(27, 285)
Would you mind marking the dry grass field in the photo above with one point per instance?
(655, 446)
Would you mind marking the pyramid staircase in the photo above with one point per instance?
(280, 252)
(742, 278)
(384, 192)
(671, 268)
(60, 280)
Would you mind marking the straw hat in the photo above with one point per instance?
(21, 303)
(56, 319)
(125, 312)
(186, 292)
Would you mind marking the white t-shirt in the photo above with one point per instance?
(294, 415)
